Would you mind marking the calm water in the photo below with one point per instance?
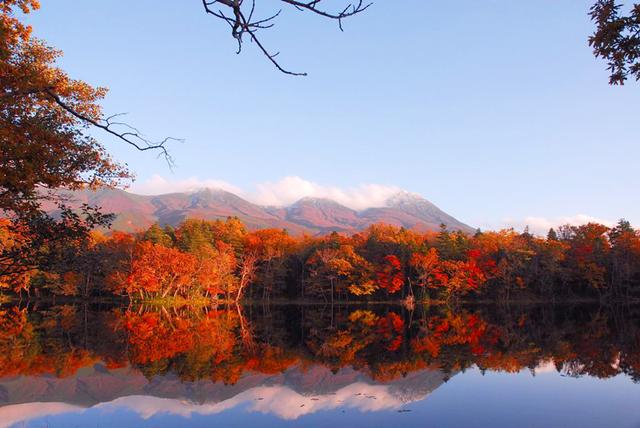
(534, 366)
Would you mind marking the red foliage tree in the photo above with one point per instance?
(390, 276)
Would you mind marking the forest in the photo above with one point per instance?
(211, 262)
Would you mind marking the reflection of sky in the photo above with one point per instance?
(17, 413)
(279, 401)
(468, 399)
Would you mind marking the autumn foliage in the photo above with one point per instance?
(222, 260)
(384, 343)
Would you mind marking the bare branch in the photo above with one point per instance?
(132, 137)
(241, 25)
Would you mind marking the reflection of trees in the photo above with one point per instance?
(381, 342)
(216, 344)
(57, 340)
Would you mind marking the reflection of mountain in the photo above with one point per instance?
(311, 215)
(288, 395)
(298, 359)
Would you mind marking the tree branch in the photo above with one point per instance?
(132, 137)
(617, 39)
(241, 25)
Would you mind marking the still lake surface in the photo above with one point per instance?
(358, 366)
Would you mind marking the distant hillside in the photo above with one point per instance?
(310, 215)
(293, 393)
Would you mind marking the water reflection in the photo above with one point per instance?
(78, 365)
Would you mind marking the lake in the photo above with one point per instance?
(316, 365)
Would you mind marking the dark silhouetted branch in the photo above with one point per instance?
(132, 136)
(617, 39)
(242, 20)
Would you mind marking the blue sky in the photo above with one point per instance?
(494, 110)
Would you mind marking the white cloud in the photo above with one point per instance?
(541, 225)
(282, 192)
(544, 224)
(280, 401)
(545, 366)
(290, 189)
(157, 185)
(287, 190)
(12, 415)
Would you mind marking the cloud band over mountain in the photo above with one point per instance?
(282, 192)
(291, 189)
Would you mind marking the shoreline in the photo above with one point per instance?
(125, 301)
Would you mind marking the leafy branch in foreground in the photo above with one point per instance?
(617, 39)
(45, 146)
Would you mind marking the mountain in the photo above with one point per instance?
(308, 215)
(324, 214)
(413, 212)
(296, 392)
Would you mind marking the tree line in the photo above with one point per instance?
(221, 260)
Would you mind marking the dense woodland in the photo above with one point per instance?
(382, 342)
(217, 261)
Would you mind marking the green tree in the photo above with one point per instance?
(158, 235)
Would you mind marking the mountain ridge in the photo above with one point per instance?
(307, 215)
(293, 393)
